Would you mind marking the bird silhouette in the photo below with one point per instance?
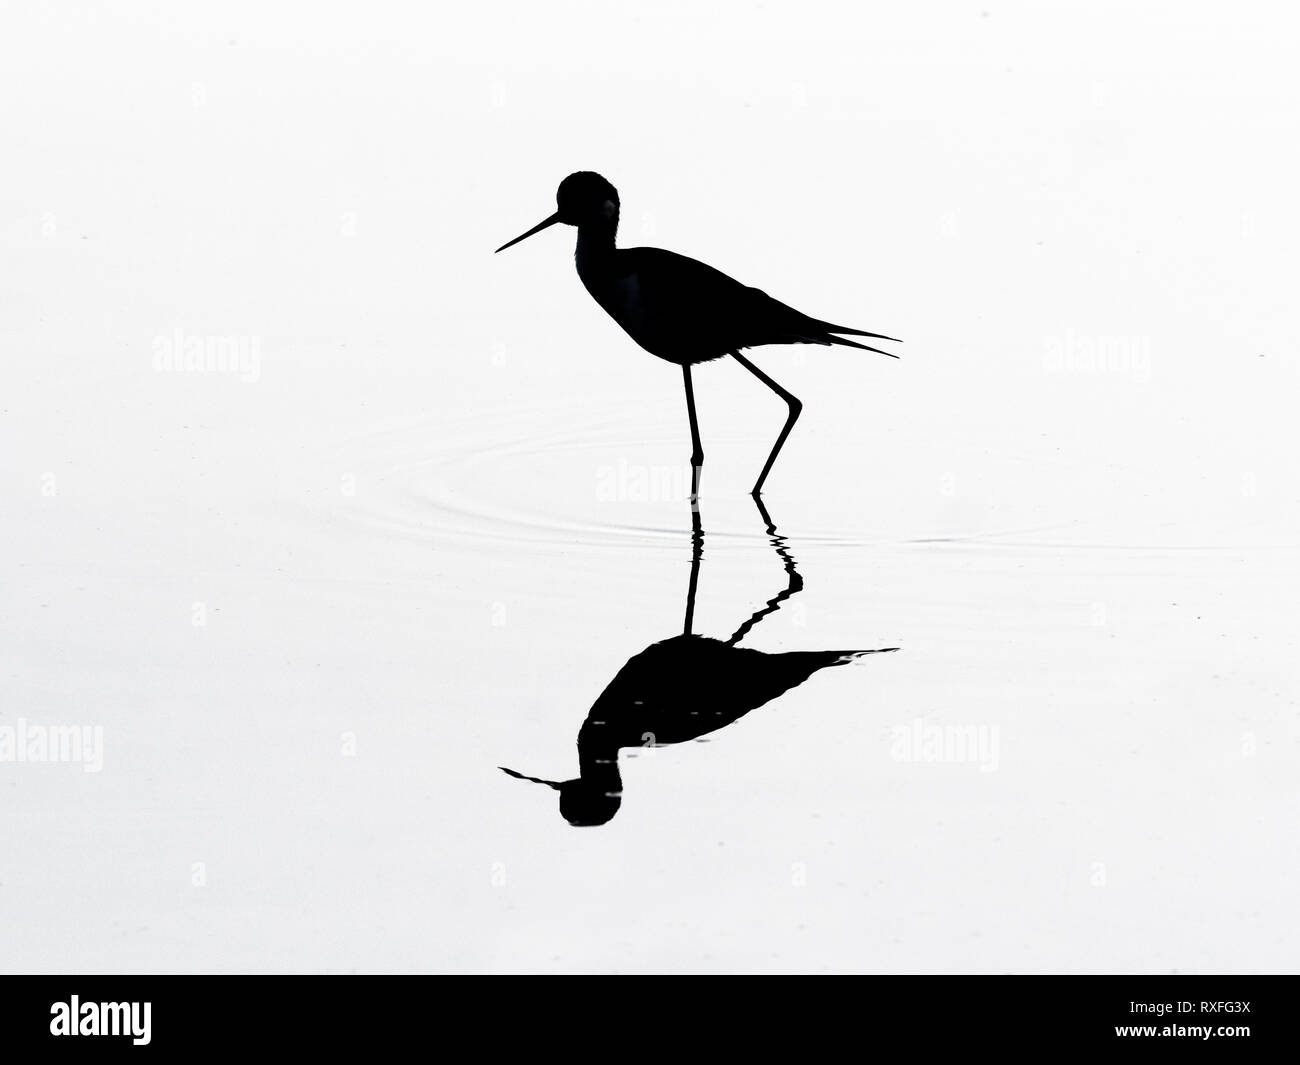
(680, 309)
(681, 689)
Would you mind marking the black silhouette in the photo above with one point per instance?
(680, 309)
(681, 689)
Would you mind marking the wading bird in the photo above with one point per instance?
(681, 689)
(679, 309)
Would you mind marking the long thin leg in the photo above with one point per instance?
(697, 553)
(790, 400)
(794, 583)
(697, 450)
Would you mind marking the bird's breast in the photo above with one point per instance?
(623, 300)
(657, 322)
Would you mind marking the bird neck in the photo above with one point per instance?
(598, 753)
(600, 767)
(596, 241)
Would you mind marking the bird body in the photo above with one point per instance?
(687, 686)
(679, 309)
(686, 312)
(682, 689)
(675, 691)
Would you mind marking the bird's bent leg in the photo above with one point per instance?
(794, 584)
(697, 450)
(791, 401)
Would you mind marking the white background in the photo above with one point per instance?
(397, 533)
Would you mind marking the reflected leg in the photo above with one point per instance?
(697, 554)
(794, 582)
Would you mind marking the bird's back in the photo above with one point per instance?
(685, 311)
(688, 686)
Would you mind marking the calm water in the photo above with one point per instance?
(1082, 747)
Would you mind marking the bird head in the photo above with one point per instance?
(583, 199)
(586, 197)
(583, 803)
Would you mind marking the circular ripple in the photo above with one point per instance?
(571, 476)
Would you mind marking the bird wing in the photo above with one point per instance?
(690, 296)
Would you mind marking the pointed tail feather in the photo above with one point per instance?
(821, 659)
(858, 332)
(864, 347)
(828, 328)
(850, 656)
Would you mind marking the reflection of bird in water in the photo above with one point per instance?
(681, 689)
(679, 309)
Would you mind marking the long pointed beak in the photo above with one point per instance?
(511, 772)
(536, 229)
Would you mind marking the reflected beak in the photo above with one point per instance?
(536, 229)
(520, 776)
